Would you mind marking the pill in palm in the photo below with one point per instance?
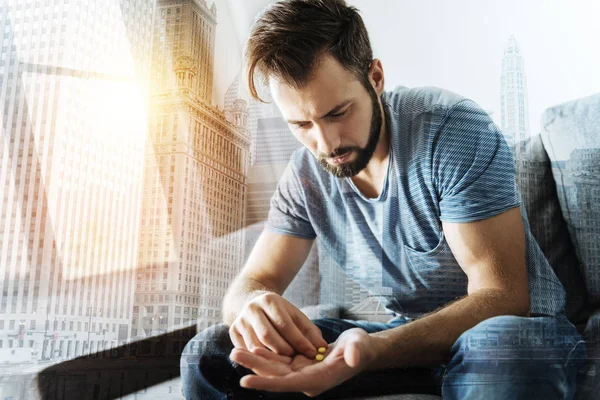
(322, 350)
(319, 357)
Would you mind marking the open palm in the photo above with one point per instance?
(345, 358)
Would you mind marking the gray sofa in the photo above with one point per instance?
(558, 173)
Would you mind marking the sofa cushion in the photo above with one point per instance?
(539, 197)
(571, 137)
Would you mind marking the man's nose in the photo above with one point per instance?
(327, 139)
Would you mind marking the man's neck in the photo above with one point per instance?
(370, 180)
(379, 160)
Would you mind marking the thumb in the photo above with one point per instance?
(352, 354)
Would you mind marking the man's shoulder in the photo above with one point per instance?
(413, 101)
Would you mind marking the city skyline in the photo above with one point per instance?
(56, 322)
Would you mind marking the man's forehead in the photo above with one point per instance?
(326, 68)
(313, 100)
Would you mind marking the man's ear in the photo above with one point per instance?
(376, 76)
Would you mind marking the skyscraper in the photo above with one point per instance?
(70, 172)
(514, 112)
(195, 178)
(256, 111)
(232, 94)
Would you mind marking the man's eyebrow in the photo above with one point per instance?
(334, 110)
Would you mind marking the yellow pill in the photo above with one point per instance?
(319, 357)
(322, 350)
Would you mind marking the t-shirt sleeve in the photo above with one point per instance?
(473, 168)
(287, 212)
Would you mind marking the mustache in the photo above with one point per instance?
(337, 152)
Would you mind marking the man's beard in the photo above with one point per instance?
(351, 168)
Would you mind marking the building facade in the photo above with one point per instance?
(195, 186)
(514, 108)
(70, 172)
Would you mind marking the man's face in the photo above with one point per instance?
(334, 116)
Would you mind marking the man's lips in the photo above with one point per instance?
(341, 159)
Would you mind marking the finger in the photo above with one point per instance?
(236, 339)
(311, 331)
(250, 338)
(301, 381)
(290, 332)
(271, 338)
(270, 355)
(258, 364)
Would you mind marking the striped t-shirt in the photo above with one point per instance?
(448, 162)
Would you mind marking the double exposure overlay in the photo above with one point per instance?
(136, 172)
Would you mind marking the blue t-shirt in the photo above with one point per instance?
(448, 162)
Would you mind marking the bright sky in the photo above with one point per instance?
(458, 45)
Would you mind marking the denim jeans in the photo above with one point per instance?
(504, 357)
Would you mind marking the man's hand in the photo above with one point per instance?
(270, 322)
(348, 356)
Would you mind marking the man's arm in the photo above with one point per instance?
(274, 262)
(492, 254)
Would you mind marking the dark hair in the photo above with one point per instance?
(290, 37)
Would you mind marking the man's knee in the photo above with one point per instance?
(510, 339)
(517, 357)
(212, 340)
(208, 350)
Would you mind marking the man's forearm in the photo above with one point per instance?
(426, 342)
(241, 292)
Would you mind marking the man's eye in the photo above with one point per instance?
(338, 114)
